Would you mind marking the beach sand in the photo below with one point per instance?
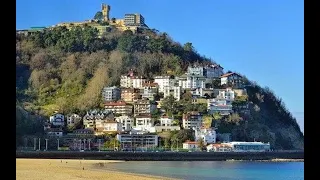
(72, 169)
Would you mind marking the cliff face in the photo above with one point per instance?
(270, 121)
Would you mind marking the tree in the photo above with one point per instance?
(92, 95)
(188, 47)
(98, 16)
(113, 143)
(201, 144)
(234, 118)
(169, 104)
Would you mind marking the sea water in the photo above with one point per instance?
(215, 170)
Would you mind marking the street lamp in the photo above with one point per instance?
(99, 140)
(58, 144)
(89, 140)
(39, 144)
(35, 143)
(46, 144)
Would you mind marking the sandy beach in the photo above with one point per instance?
(71, 169)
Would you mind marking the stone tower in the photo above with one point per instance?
(105, 11)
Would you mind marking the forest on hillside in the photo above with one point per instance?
(66, 70)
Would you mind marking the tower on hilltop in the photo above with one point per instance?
(105, 11)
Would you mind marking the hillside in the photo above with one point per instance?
(66, 70)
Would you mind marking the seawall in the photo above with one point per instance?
(162, 156)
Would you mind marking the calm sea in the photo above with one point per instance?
(215, 170)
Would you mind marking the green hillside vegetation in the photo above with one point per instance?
(65, 70)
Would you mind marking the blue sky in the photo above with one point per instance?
(262, 39)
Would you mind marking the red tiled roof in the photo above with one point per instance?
(191, 142)
(229, 74)
(119, 103)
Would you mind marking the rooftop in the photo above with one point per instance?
(229, 74)
(190, 142)
(118, 103)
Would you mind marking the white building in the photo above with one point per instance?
(95, 118)
(191, 120)
(210, 71)
(190, 145)
(219, 148)
(144, 122)
(175, 91)
(112, 126)
(227, 94)
(73, 119)
(138, 81)
(156, 129)
(137, 141)
(217, 105)
(126, 121)
(126, 80)
(166, 121)
(149, 91)
(192, 81)
(111, 93)
(57, 119)
(232, 78)
(207, 134)
(248, 146)
(163, 81)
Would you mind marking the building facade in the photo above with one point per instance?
(218, 105)
(144, 122)
(149, 90)
(130, 94)
(163, 81)
(95, 118)
(213, 71)
(233, 79)
(111, 93)
(126, 121)
(191, 120)
(208, 135)
(143, 106)
(190, 145)
(227, 94)
(248, 146)
(175, 91)
(192, 81)
(133, 19)
(57, 119)
(73, 119)
(120, 107)
(137, 142)
(138, 81)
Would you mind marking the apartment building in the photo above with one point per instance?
(175, 91)
(119, 107)
(126, 121)
(143, 106)
(163, 81)
(130, 94)
(191, 120)
(111, 93)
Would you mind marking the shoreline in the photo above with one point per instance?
(73, 169)
(271, 160)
